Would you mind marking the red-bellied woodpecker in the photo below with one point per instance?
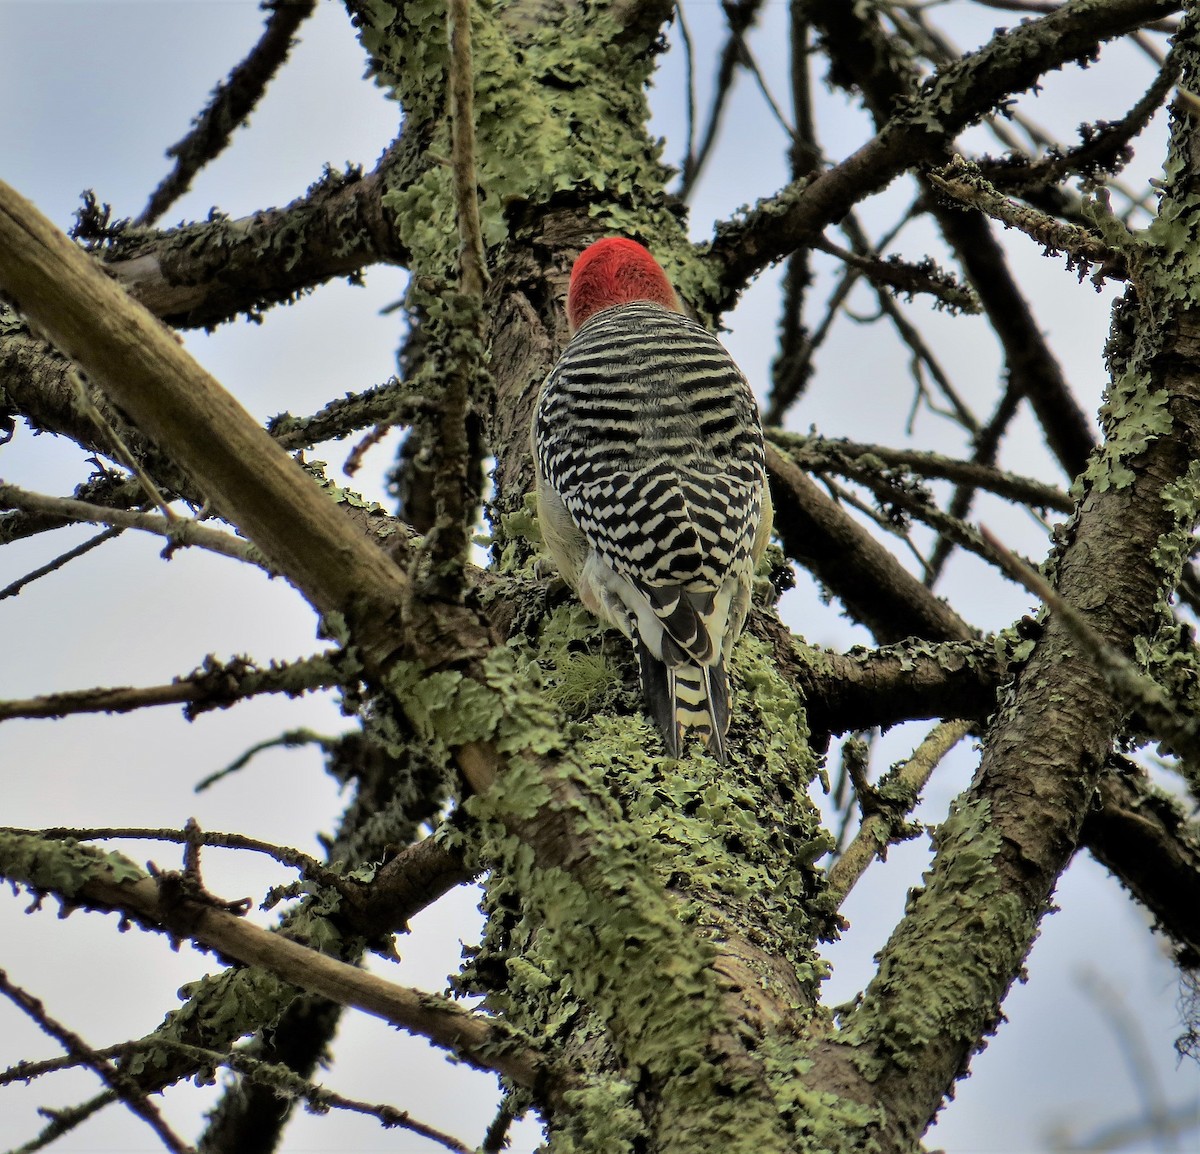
(651, 483)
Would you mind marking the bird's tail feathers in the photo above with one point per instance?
(686, 696)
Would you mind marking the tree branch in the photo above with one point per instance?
(965, 184)
(180, 532)
(405, 884)
(453, 491)
(875, 587)
(117, 1081)
(231, 103)
(109, 883)
(885, 807)
(1146, 839)
(951, 100)
(913, 680)
(215, 685)
(1008, 838)
(200, 275)
(820, 454)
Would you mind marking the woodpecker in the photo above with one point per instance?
(651, 483)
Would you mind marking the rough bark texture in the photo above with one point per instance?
(650, 967)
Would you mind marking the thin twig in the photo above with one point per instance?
(119, 1082)
(88, 407)
(918, 505)
(875, 588)
(215, 685)
(318, 1098)
(452, 480)
(790, 379)
(15, 587)
(365, 445)
(923, 360)
(193, 835)
(232, 102)
(740, 17)
(292, 739)
(689, 67)
(1136, 1052)
(818, 454)
(63, 1121)
(986, 447)
(1102, 145)
(278, 1077)
(882, 822)
(792, 364)
(1137, 690)
(179, 531)
(751, 65)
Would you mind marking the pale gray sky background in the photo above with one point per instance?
(94, 92)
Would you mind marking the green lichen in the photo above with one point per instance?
(560, 107)
(1169, 655)
(584, 683)
(60, 867)
(217, 1009)
(446, 707)
(910, 1005)
(819, 1121)
(678, 856)
(1133, 415)
(601, 1116)
(1181, 498)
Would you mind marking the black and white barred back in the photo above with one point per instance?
(649, 436)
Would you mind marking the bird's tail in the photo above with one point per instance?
(687, 696)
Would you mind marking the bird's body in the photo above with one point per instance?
(651, 483)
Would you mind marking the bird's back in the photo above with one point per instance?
(648, 435)
(650, 412)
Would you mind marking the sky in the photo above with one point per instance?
(96, 90)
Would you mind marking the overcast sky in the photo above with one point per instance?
(95, 91)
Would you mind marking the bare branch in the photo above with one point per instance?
(215, 685)
(125, 1087)
(180, 532)
(955, 97)
(885, 807)
(1104, 146)
(986, 448)
(875, 587)
(820, 454)
(740, 16)
(15, 587)
(282, 1080)
(103, 882)
(232, 102)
